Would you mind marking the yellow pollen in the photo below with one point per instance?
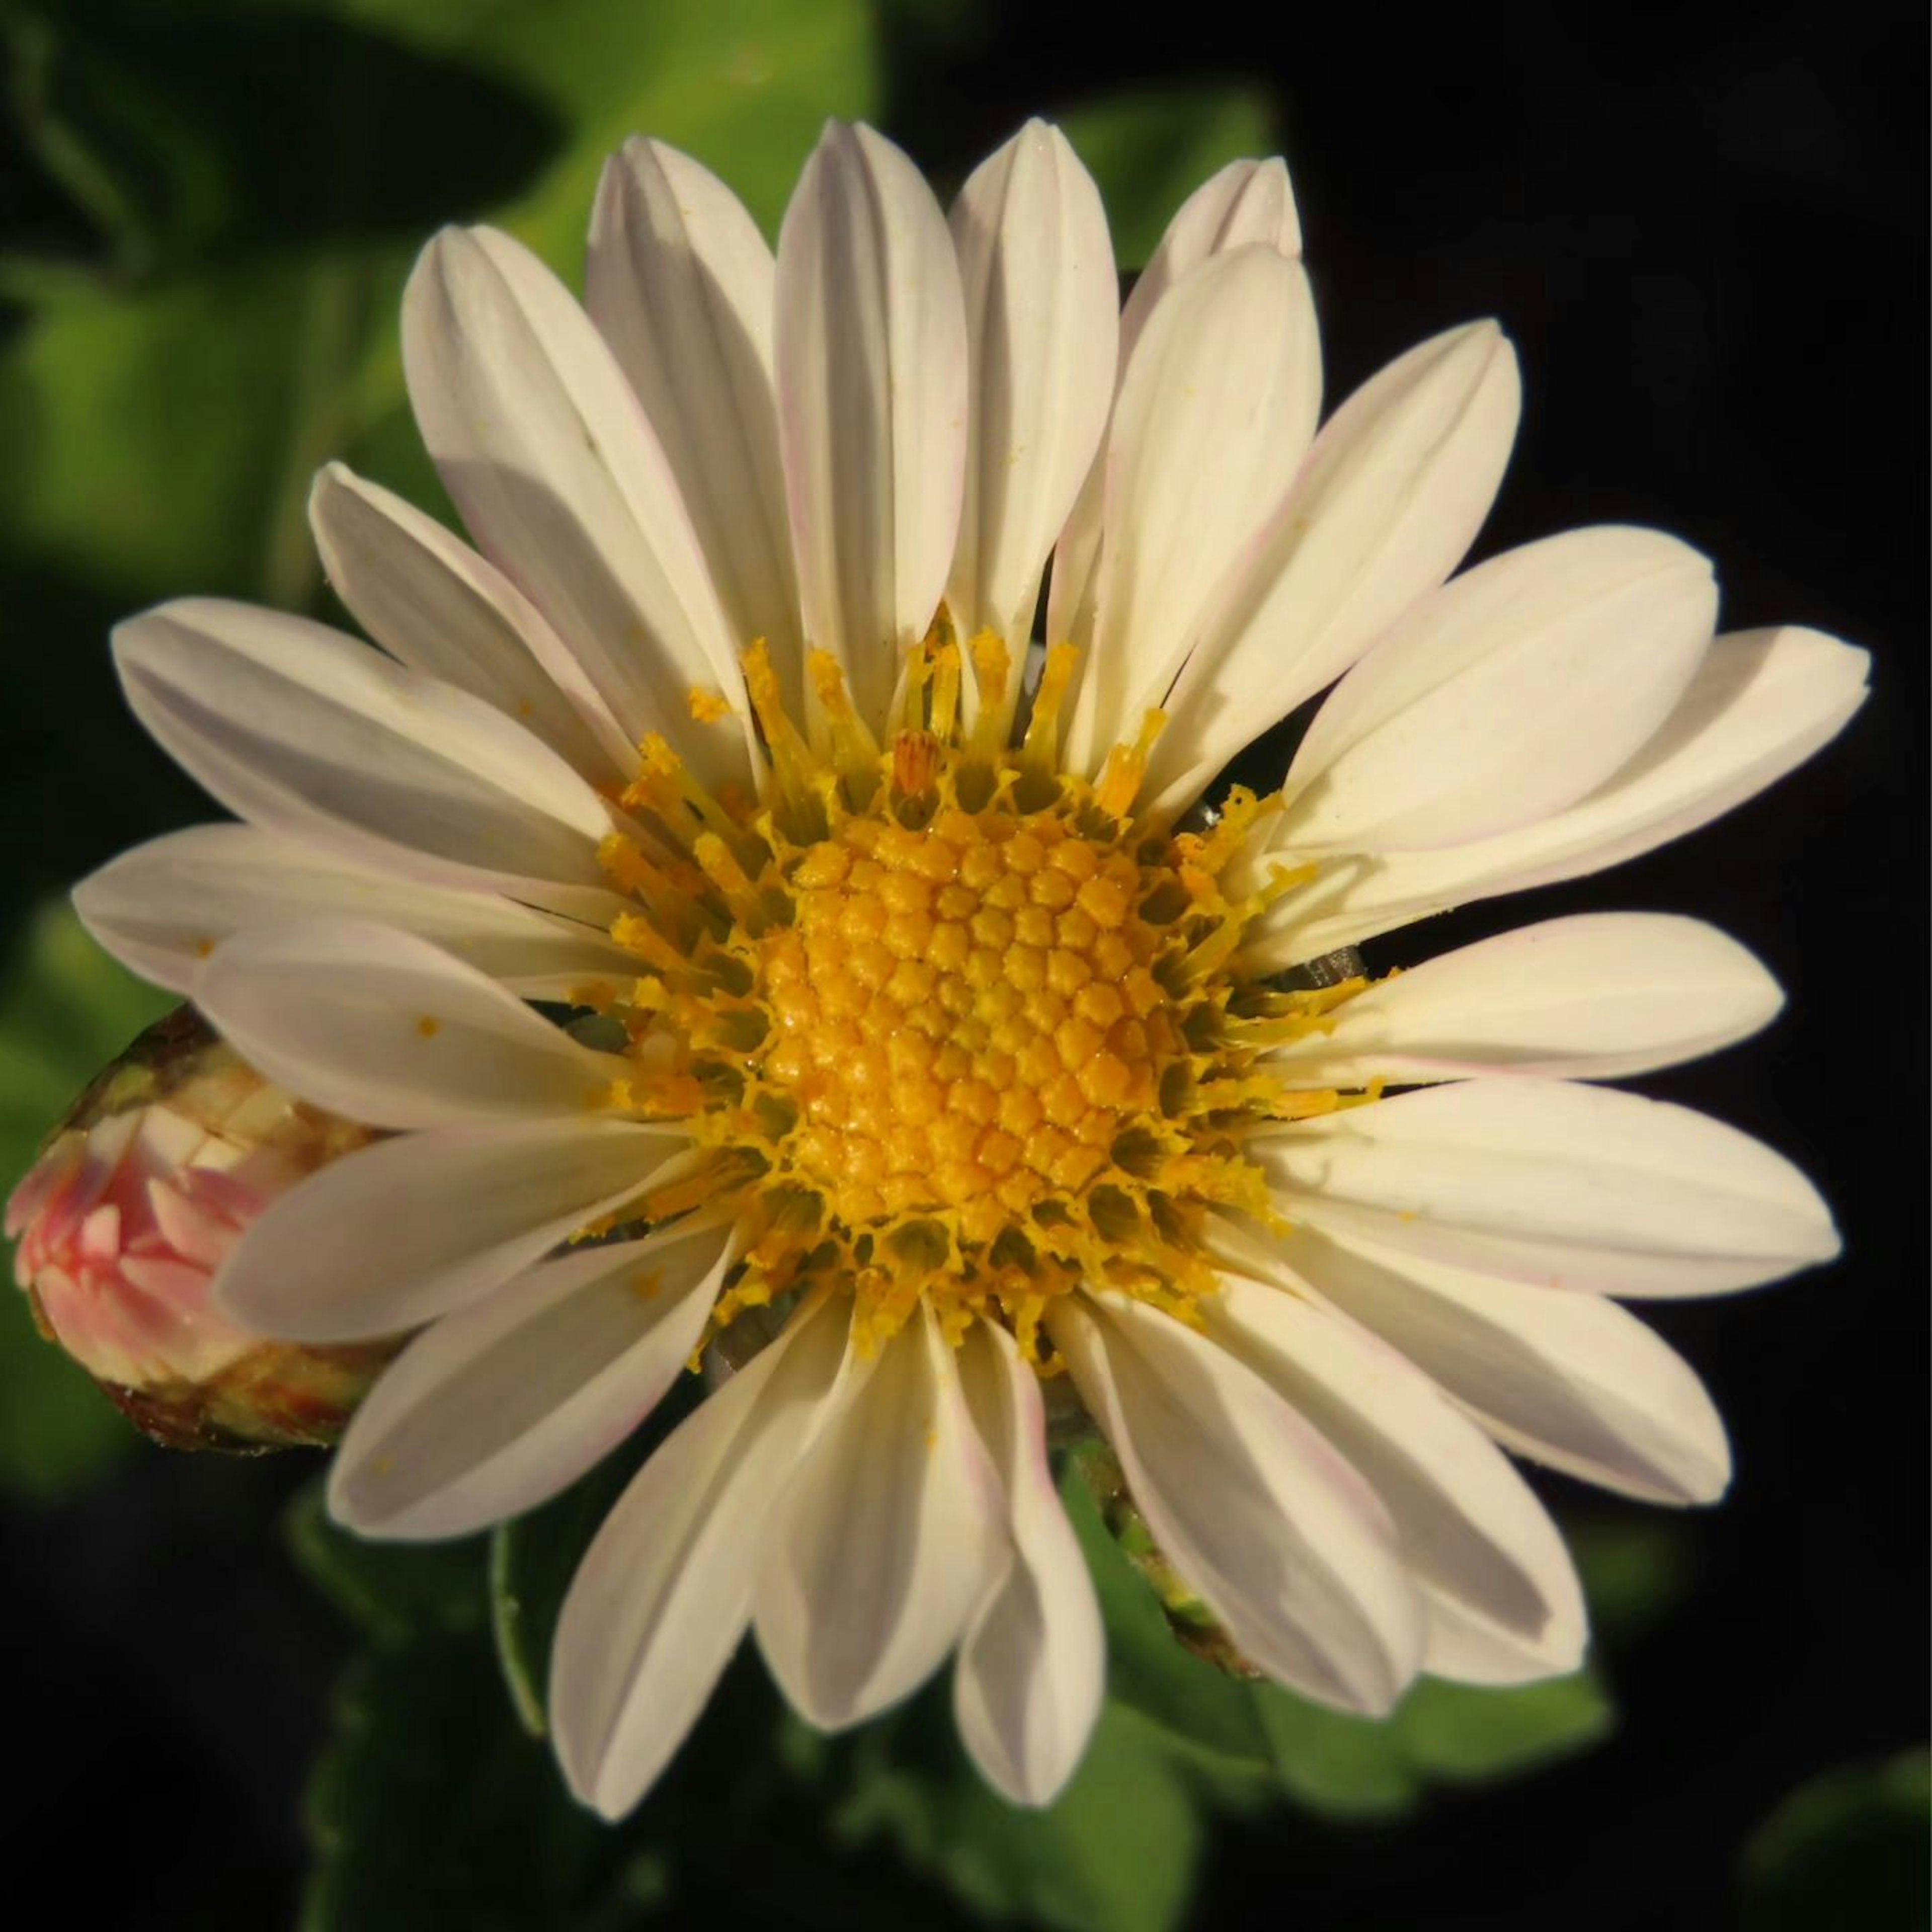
(918, 1030)
(945, 1024)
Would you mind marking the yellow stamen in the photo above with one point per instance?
(949, 1026)
(1126, 767)
(1042, 748)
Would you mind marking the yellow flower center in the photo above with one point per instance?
(964, 1016)
(950, 1024)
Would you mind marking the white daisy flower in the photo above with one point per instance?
(935, 1031)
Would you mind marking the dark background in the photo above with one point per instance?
(1704, 228)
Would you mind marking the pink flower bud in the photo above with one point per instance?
(138, 1197)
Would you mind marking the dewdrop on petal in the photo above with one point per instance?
(137, 1197)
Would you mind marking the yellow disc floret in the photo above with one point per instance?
(964, 1015)
(948, 1025)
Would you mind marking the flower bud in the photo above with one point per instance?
(136, 1198)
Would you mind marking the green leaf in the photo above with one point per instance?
(1150, 148)
(742, 86)
(1442, 1733)
(1117, 1852)
(66, 1009)
(532, 1561)
(393, 1592)
(1635, 1571)
(164, 434)
(533, 1558)
(1149, 1672)
(1852, 1847)
(430, 1807)
(1342, 1767)
(1233, 1732)
(1469, 1734)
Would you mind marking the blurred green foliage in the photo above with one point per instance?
(1853, 1847)
(168, 402)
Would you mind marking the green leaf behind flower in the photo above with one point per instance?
(429, 1807)
(1851, 1847)
(1149, 149)
(168, 410)
(1324, 1761)
(533, 1557)
(393, 1592)
(1117, 1852)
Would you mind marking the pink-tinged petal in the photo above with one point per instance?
(1571, 1380)
(1761, 704)
(496, 1408)
(410, 1228)
(380, 1026)
(163, 908)
(1595, 997)
(884, 1539)
(1547, 1181)
(680, 283)
(191, 1224)
(427, 598)
(1215, 414)
(871, 350)
(547, 451)
(1246, 202)
(1391, 499)
(310, 734)
(1042, 327)
(1032, 1671)
(118, 1253)
(1506, 696)
(1480, 1545)
(665, 1592)
(1285, 1543)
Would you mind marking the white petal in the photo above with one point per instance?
(1592, 997)
(427, 597)
(1477, 1540)
(391, 1237)
(496, 1408)
(870, 343)
(1032, 1671)
(1285, 1542)
(663, 1594)
(1392, 495)
(1572, 1186)
(1215, 414)
(163, 907)
(1506, 696)
(680, 282)
(380, 1026)
(884, 1539)
(1245, 202)
(1761, 703)
(306, 732)
(547, 452)
(1036, 269)
(1571, 1380)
